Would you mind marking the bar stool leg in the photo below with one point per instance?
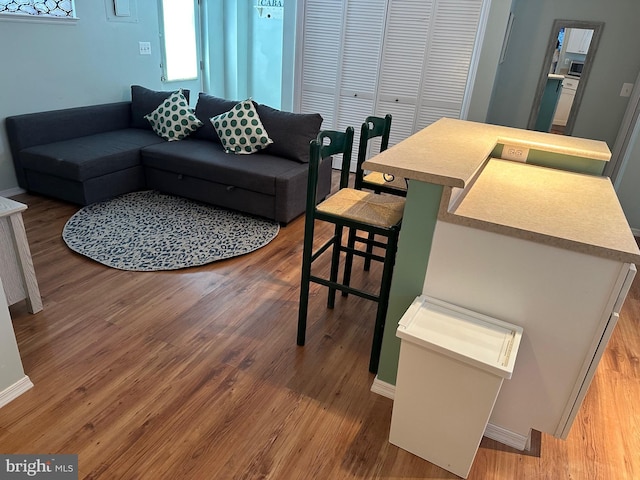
(307, 252)
(348, 263)
(335, 263)
(367, 259)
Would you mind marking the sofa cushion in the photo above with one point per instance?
(91, 156)
(207, 160)
(173, 119)
(209, 106)
(145, 101)
(290, 132)
(240, 129)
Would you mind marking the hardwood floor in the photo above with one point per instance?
(195, 374)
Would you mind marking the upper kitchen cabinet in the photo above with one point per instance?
(578, 40)
(409, 58)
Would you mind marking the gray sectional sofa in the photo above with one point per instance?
(89, 154)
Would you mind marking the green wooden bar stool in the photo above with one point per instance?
(353, 209)
(377, 127)
(373, 127)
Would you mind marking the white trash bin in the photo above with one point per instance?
(452, 364)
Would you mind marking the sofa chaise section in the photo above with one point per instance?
(82, 155)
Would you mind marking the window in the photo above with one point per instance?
(39, 8)
(179, 40)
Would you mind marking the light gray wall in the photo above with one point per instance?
(628, 188)
(489, 58)
(48, 66)
(617, 62)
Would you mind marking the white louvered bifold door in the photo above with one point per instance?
(425, 64)
(363, 34)
(409, 58)
(404, 49)
(322, 47)
(451, 43)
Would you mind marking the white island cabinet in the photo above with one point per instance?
(548, 250)
(538, 244)
(566, 302)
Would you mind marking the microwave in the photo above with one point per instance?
(575, 68)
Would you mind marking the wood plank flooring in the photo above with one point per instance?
(195, 374)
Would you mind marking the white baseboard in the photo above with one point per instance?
(14, 391)
(494, 432)
(11, 192)
(383, 388)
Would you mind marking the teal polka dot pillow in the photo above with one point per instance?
(173, 119)
(240, 129)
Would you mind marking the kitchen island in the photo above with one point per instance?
(540, 242)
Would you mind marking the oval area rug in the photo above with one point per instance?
(150, 231)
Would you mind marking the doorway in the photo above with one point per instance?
(180, 43)
(243, 49)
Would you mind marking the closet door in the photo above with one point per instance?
(426, 59)
(405, 45)
(409, 58)
(321, 58)
(342, 45)
(363, 35)
(452, 41)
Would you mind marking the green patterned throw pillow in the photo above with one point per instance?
(240, 129)
(173, 119)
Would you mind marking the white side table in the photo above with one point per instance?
(16, 267)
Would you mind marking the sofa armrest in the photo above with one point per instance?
(40, 128)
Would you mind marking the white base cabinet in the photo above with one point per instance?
(566, 302)
(569, 87)
(16, 265)
(13, 381)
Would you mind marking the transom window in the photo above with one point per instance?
(49, 8)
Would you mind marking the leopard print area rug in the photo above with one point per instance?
(149, 231)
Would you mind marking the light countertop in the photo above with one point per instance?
(449, 152)
(570, 210)
(9, 207)
(575, 211)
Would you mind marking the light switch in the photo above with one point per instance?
(122, 8)
(626, 89)
(145, 48)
